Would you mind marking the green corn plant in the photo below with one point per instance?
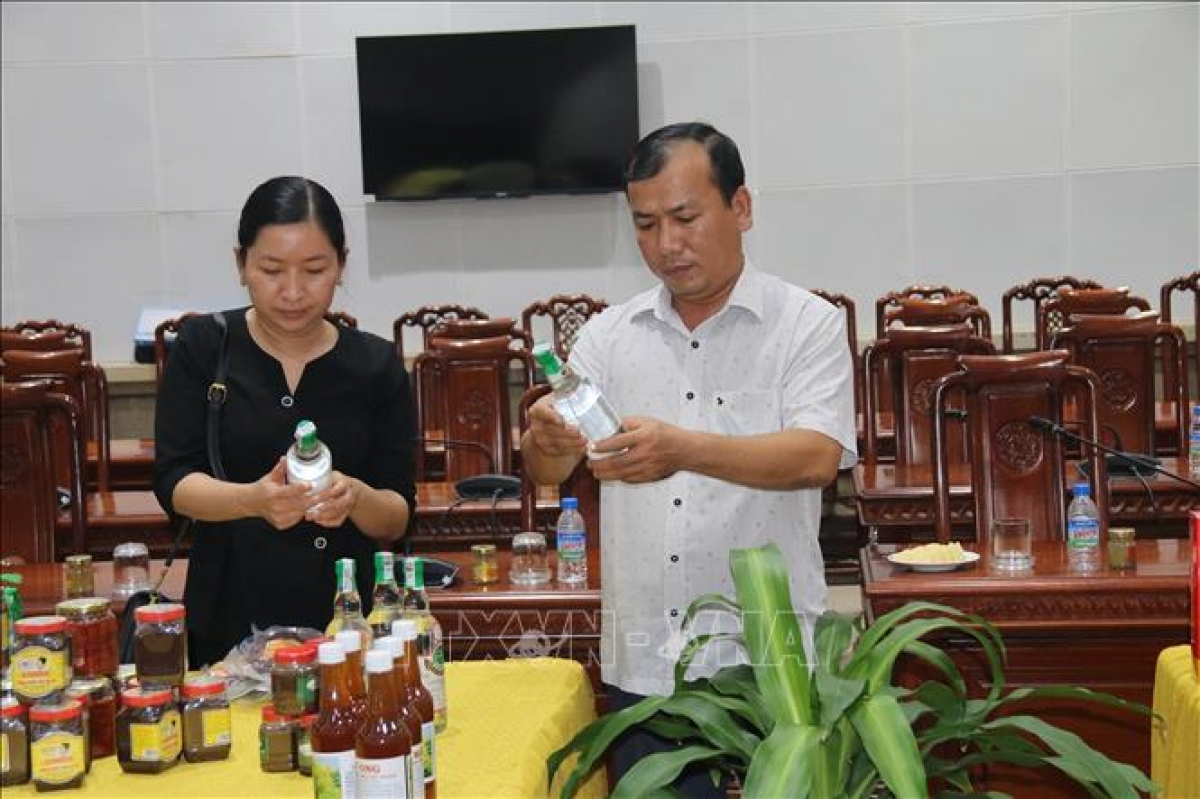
(830, 722)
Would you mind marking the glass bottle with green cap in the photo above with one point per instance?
(577, 401)
(308, 460)
(385, 599)
(347, 605)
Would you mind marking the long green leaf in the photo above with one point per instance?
(594, 740)
(659, 770)
(694, 645)
(783, 765)
(832, 636)
(772, 633)
(890, 742)
(716, 724)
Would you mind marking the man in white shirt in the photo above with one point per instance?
(735, 391)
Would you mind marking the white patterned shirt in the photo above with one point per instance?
(774, 358)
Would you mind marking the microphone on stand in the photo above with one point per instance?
(1138, 464)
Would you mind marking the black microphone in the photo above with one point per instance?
(1138, 463)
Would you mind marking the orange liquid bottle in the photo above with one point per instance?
(411, 717)
(351, 643)
(333, 734)
(383, 748)
(421, 701)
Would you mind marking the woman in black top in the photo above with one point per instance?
(263, 550)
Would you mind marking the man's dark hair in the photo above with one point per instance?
(651, 153)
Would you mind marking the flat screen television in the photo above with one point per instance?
(497, 114)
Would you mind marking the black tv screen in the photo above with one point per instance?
(510, 113)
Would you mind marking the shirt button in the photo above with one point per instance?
(695, 345)
(690, 395)
(674, 558)
(286, 401)
(674, 612)
(720, 400)
(678, 502)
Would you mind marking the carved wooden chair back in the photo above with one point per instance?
(164, 334)
(473, 401)
(581, 483)
(953, 310)
(476, 329)
(1123, 352)
(1036, 291)
(1016, 469)
(84, 382)
(430, 318)
(1183, 285)
(1053, 313)
(567, 314)
(30, 473)
(917, 292)
(847, 306)
(915, 358)
(342, 319)
(49, 334)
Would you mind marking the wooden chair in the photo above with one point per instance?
(1053, 313)
(29, 471)
(917, 292)
(430, 318)
(50, 334)
(1123, 351)
(342, 319)
(473, 404)
(164, 334)
(1016, 469)
(848, 309)
(581, 483)
(953, 310)
(477, 329)
(915, 357)
(1036, 291)
(1183, 285)
(568, 313)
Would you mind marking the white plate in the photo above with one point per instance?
(968, 557)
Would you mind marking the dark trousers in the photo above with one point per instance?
(635, 744)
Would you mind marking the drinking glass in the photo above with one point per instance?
(131, 569)
(530, 565)
(1012, 544)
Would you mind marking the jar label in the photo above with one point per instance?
(333, 774)
(384, 777)
(57, 758)
(38, 671)
(156, 742)
(306, 692)
(215, 724)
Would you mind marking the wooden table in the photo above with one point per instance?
(480, 622)
(897, 500)
(1102, 631)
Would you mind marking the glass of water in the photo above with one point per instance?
(530, 564)
(131, 569)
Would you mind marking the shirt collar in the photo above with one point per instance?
(747, 294)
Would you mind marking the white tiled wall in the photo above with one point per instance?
(977, 144)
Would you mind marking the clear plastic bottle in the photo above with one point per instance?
(308, 460)
(1194, 444)
(347, 605)
(385, 599)
(577, 401)
(571, 540)
(1083, 529)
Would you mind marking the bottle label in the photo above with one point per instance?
(385, 777)
(333, 775)
(38, 671)
(429, 753)
(572, 545)
(416, 777)
(57, 758)
(1083, 533)
(215, 724)
(158, 742)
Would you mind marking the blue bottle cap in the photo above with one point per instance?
(1082, 489)
(570, 503)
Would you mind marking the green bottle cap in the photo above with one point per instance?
(345, 574)
(306, 437)
(546, 358)
(383, 566)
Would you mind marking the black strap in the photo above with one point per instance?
(216, 398)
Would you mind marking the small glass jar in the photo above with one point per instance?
(294, 680)
(131, 569)
(149, 731)
(14, 732)
(276, 741)
(92, 628)
(78, 578)
(484, 569)
(100, 714)
(206, 719)
(529, 563)
(1122, 548)
(160, 644)
(41, 658)
(56, 747)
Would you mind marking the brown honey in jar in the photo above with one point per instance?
(100, 714)
(160, 644)
(206, 719)
(41, 658)
(149, 731)
(92, 629)
(56, 747)
(14, 743)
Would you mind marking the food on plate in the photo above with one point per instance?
(931, 553)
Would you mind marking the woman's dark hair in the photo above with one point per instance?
(651, 153)
(285, 201)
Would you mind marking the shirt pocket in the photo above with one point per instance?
(748, 413)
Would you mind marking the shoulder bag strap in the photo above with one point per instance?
(216, 398)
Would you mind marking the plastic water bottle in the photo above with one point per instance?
(308, 460)
(577, 401)
(1083, 529)
(571, 538)
(1194, 444)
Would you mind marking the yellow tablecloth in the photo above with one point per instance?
(505, 718)
(1175, 751)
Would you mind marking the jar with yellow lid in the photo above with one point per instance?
(1122, 548)
(92, 628)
